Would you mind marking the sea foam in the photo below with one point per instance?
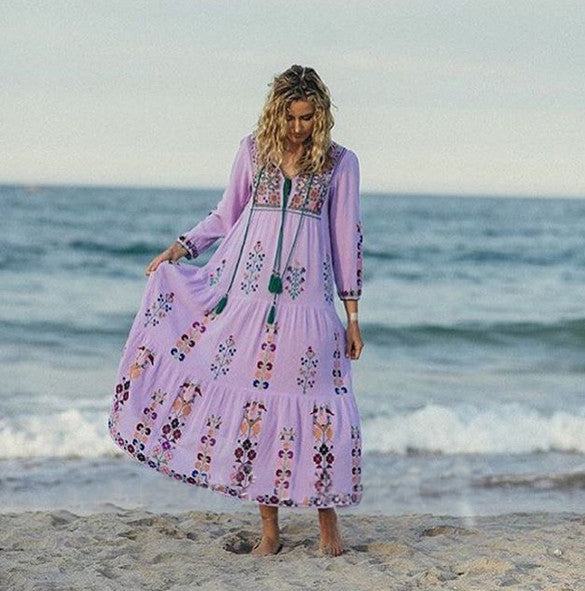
(66, 434)
(512, 429)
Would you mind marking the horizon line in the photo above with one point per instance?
(32, 187)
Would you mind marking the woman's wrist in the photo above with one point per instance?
(352, 317)
(179, 249)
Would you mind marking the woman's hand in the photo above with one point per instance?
(354, 343)
(173, 253)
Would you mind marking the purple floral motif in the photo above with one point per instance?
(356, 463)
(171, 431)
(283, 472)
(265, 362)
(215, 276)
(159, 309)
(284, 464)
(294, 279)
(223, 357)
(143, 429)
(327, 280)
(323, 446)
(245, 453)
(202, 464)
(189, 339)
(308, 370)
(121, 395)
(253, 267)
(338, 384)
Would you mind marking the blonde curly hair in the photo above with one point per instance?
(296, 83)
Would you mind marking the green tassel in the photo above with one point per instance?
(275, 284)
(221, 304)
(271, 314)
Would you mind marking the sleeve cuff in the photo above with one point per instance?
(189, 246)
(350, 294)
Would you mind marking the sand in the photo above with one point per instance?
(138, 550)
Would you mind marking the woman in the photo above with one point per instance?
(234, 376)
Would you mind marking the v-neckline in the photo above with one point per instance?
(290, 178)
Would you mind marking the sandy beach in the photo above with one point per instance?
(139, 550)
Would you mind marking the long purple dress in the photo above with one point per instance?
(252, 396)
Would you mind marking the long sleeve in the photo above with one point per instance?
(345, 227)
(219, 221)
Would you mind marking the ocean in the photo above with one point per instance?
(470, 385)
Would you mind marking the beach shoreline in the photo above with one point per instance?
(137, 549)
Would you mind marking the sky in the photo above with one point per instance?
(478, 97)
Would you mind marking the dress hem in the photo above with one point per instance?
(339, 500)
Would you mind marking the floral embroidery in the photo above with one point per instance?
(356, 463)
(317, 194)
(268, 193)
(203, 458)
(142, 361)
(323, 457)
(245, 453)
(253, 267)
(159, 309)
(215, 276)
(284, 466)
(200, 476)
(265, 362)
(319, 186)
(283, 471)
(269, 190)
(327, 280)
(121, 395)
(294, 279)
(171, 431)
(188, 340)
(308, 371)
(223, 357)
(143, 429)
(338, 383)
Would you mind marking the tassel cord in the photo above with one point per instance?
(275, 283)
(223, 301)
(276, 287)
(277, 255)
(305, 202)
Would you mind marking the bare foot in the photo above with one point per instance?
(330, 538)
(266, 546)
(270, 542)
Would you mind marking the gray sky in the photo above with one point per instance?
(463, 97)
